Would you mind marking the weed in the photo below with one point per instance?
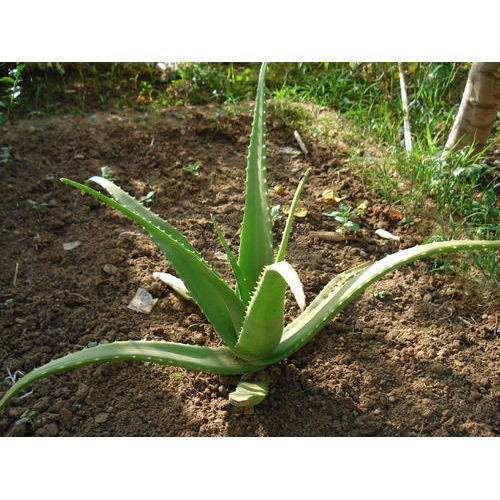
(193, 168)
(343, 215)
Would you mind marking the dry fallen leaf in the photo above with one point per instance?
(299, 212)
(279, 189)
(331, 196)
(363, 205)
(395, 215)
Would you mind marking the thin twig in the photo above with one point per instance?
(300, 142)
(15, 274)
(468, 323)
(406, 112)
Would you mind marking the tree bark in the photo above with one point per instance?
(478, 108)
(406, 112)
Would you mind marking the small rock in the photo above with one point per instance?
(71, 245)
(49, 430)
(82, 391)
(101, 418)
(198, 337)
(142, 301)
(221, 256)
(20, 321)
(392, 399)
(110, 269)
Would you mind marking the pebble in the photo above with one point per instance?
(392, 399)
(71, 245)
(101, 418)
(82, 391)
(110, 269)
(142, 301)
(199, 337)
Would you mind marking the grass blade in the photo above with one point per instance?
(256, 242)
(242, 284)
(291, 215)
(219, 303)
(263, 325)
(209, 359)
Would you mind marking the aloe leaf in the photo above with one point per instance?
(219, 303)
(263, 324)
(241, 282)
(345, 287)
(251, 392)
(256, 242)
(209, 359)
(123, 198)
(291, 215)
(175, 283)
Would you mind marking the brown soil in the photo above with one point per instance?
(417, 356)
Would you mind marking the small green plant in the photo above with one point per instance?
(193, 168)
(26, 417)
(250, 318)
(343, 214)
(11, 96)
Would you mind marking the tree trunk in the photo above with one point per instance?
(406, 112)
(478, 108)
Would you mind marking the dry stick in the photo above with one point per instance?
(300, 142)
(15, 274)
(406, 112)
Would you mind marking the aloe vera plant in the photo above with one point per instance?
(250, 318)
